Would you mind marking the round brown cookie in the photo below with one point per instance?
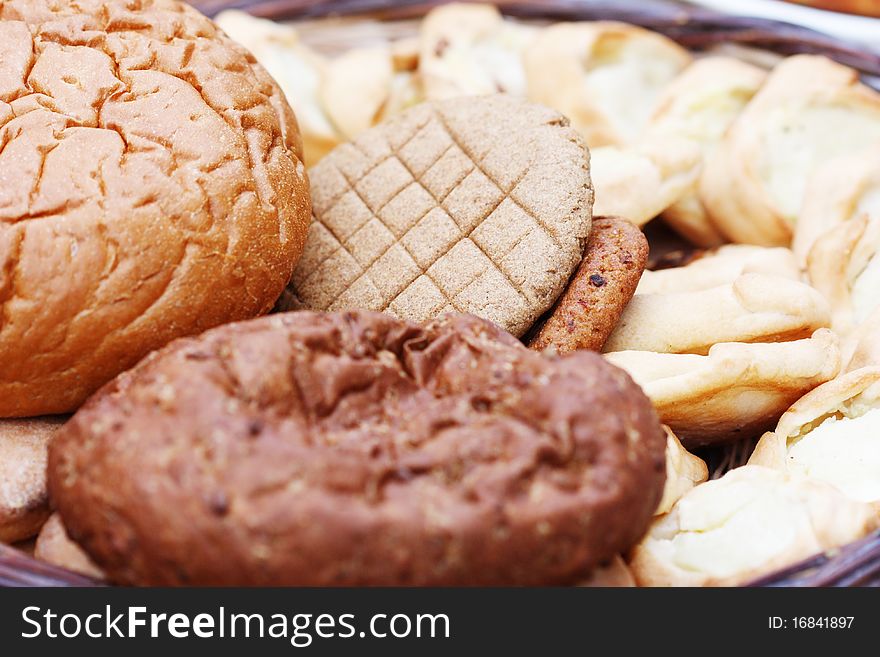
(24, 502)
(357, 449)
(151, 188)
(54, 546)
(477, 204)
(597, 294)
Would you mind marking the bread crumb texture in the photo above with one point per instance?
(150, 187)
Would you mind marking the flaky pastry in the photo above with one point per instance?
(605, 76)
(471, 49)
(683, 471)
(832, 434)
(297, 69)
(363, 86)
(735, 391)
(862, 347)
(843, 189)
(700, 104)
(751, 521)
(753, 308)
(639, 182)
(844, 265)
(809, 111)
(721, 266)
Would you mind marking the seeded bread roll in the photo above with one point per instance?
(151, 188)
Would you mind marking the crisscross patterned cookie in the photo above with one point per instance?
(479, 205)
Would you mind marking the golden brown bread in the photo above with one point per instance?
(152, 188)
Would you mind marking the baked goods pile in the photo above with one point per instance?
(469, 377)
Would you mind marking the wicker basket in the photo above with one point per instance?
(333, 25)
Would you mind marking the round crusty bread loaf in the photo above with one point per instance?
(151, 188)
(346, 449)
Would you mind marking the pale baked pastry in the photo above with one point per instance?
(700, 104)
(842, 189)
(832, 434)
(719, 267)
(615, 574)
(809, 111)
(470, 49)
(297, 69)
(24, 502)
(862, 347)
(639, 182)
(683, 471)
(753, 308)
(737, 390)
(844, 265)
(606, 77)
(54, 546)
(473, 204)
(751, 521)
(363, 86)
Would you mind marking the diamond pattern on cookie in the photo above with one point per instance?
(479, 205)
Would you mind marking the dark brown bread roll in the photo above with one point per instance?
(358, 449)
(150, 187)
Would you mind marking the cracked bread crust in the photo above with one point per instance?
(151, 188)
(357, 449)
